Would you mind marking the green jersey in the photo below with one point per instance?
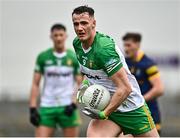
(58, 70)
(101, 61)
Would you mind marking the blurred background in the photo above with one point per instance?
(24, 27)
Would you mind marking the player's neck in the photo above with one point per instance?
(89, 42)
(59, 50)
(135, 56)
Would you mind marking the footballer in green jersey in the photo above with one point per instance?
(60, 70)
(103, 63)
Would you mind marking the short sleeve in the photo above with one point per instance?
(109, 59)
(152, 70)
(76, 66)
(39, 64)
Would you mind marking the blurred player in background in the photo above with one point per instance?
(103, 63)
(146, 73)
(60, 70)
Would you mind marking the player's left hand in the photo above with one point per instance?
(85, 84)
(94, 113)
(69, 109)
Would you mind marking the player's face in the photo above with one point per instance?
(131, 48)
(84, 25)
(58, 37)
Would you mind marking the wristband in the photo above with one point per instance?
(102, 115)
(85, 82)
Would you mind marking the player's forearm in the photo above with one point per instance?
(79, 79)
(34, 96)
(74, 100)
(117, 99)
(153, 93)
(122, 92)
(79, 82)
(156, 90)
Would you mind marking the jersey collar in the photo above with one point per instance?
(89, 49)
(86, 50)
(59, 55)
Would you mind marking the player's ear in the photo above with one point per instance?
(94, 24)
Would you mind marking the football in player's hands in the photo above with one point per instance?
(96, 97)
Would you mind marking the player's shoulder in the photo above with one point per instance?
(76, 41)
(70, 52)
(104, 44)
(45, 53)
(104, 40)
(146, 58)
(147, 61)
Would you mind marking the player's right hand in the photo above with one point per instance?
(94, 113)
(34, 117)
(85, 84)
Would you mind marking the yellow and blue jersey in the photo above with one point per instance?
(145, 69)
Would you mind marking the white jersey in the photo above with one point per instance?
(58, 71)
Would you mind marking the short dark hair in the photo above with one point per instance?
(82, 9)
(58, 26)
(136, 37)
